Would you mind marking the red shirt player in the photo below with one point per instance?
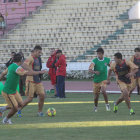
(52, 70)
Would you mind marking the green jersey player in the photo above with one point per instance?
(98, 67)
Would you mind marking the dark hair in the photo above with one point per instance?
(32, 51)
(118, 55)
(52, 49)
(17, 58)
(101, 50)
(21, 53)
(58, 51)
(13, 53)
(137, 49)
(37, 47)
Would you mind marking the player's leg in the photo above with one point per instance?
(27, 101)
(7, 119)
(12, 112)
(127, 101)
(30, 90)
(103, 90)
(3, 108)
(138, 90)
(20, 103)
(96, 91)
(125, 96)
(41, 96)
(125, 89)
(138, 87)
(132, 86)
(122, 86)
(120, 99)
(41, 104)
(12, 103)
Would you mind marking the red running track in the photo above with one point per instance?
(81, 85)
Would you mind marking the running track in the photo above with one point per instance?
(81, 85)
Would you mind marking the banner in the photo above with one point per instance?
(134, 12)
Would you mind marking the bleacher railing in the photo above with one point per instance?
(14, 11)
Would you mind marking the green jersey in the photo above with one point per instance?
(101, 66)
(12, 79)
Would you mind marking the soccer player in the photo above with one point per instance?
(12, 97)
(33, 83)
(11, 60)
(123, 70)
(136, 79)
(99, 68)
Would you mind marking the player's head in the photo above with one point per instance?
(12, 54)
(17, 58)
(21, 53)
(32, 51)
(118, 57)
(37, 51)
(58, 53)
(137, 52)
(100, 53)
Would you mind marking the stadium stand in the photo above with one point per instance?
(14, 12)
(78, 27)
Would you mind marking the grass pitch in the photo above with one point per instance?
(74, 120)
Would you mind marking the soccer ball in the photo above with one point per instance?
(51, 112)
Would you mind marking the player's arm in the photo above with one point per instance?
(109, 62)
(26, 67)
(132, 59)
(27, 63)
(21, 71)
(91, 67)
(133, 68)
(109, 73)
(30, 73)
(3, 74)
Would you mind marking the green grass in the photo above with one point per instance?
(31, 127)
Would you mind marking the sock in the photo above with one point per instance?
(19, 111)
(6, 119)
